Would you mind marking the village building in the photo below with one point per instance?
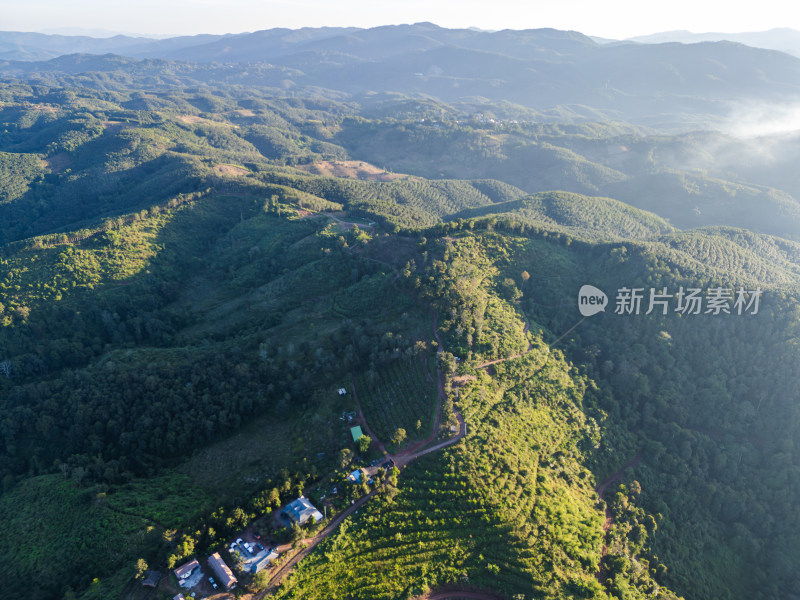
(222, 571)
(185, 571)
(301, 510)
(151, 579)
(264, 562)
(356, 433)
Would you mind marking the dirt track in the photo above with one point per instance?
(601, 488)
(603, 485)
(311, 543)
(459, 594)
(401, 460)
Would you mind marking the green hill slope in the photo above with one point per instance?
(578, 215)
(179, 304)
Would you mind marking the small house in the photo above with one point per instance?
(356, 433)
(151, 579)
(264, 562)
(342, 391)
(355, 476)
(222, 571)
(301, 510)
(185, 571)
(179, 597)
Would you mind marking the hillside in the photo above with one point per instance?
(190, 274)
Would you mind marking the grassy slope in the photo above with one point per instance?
(578, 215)
(256, 281)
(63, 535)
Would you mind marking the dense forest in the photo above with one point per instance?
(188, 275)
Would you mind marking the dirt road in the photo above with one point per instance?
(459, 594)
(310, 544)
(402, 460)
(601, 488)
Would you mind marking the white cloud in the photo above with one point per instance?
(763, 119)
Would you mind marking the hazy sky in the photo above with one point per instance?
(606, 18)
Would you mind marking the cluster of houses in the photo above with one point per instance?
(191, 574)
(252, 557)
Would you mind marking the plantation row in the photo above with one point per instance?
(520, 516)
(410, 203)
(435, 531)
(399, 395)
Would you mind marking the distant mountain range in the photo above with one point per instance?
(274, 42)
(659, 84)
(782, 39)
(39, 46)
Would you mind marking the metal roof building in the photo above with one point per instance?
(301, 510)
(222, 571)
(264, 562)
(152, 578)
(184, 571)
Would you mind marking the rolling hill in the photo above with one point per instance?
(195, 257)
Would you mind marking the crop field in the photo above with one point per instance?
(400, 395)
(261, 449)
(437, 530)
(504, 519)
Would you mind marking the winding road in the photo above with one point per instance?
(459, 594)
(402, 460)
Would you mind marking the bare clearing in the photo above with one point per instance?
(49, 108)
(195, 120)
(114, 126)
(192, 119)
(230, 170)
(351, 169)
(57, 162)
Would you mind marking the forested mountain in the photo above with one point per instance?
(671, 84)
(195, 258)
